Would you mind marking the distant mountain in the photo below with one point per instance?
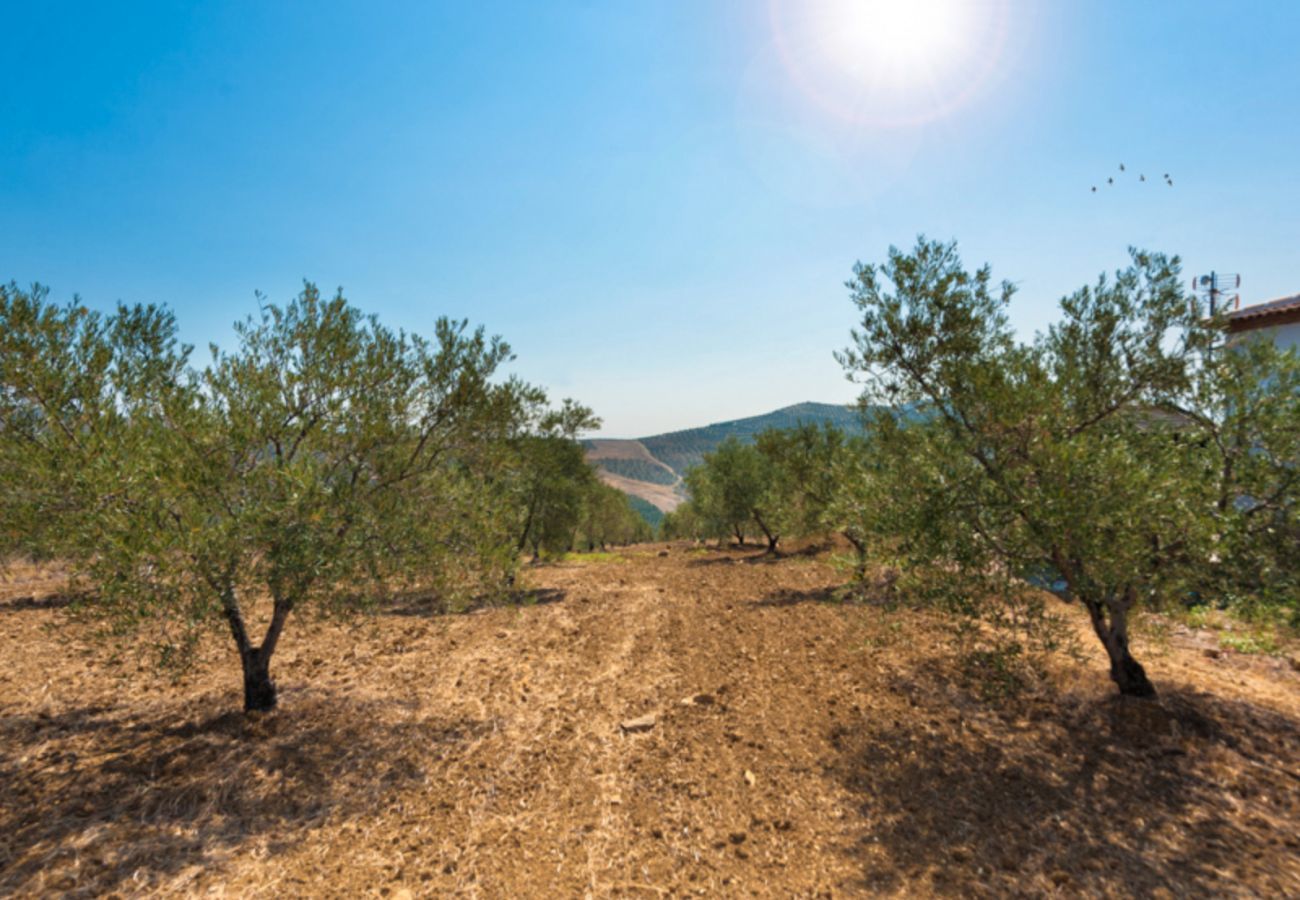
(679, 450)
(651, 468)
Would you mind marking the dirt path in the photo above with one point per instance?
(787, 746)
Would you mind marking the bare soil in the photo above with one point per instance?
(701, 723)
(664, 497)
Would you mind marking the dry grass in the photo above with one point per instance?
(801, 747)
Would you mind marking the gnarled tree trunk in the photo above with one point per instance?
(1110, 622)
(1108, 610)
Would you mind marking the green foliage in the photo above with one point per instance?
(588, 556)
(322, 461)
(652, 514)
(784, 484)
(1250, 643)
(565, 505)
(1245, 623)
(1244, 406)
(685, 523)
(801, 468)
(555, 483)
(609, 518)
(863, 502)
(1115, 457)
(728, 490)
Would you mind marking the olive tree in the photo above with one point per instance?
(784, 483)
(861, 499)
(1104, 457)
(322, 458)
(553, 478)
(686, 523)
(801, 469)
(608, 518)
(729, 489)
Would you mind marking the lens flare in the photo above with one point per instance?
(889, 62)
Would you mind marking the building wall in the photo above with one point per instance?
(1284, 336)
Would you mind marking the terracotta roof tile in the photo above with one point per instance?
(1266, 310)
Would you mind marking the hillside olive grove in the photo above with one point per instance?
(324, 463)
(1128, 456)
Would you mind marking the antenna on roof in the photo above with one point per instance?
(1215, 287)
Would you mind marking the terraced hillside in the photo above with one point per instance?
(679, 450)
(651, 468)
(629, 466)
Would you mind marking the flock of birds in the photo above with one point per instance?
(1111, 180)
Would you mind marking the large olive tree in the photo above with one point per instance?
(322, 458)
(1118, 457)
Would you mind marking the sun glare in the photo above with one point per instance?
(889, 61)
(904, 41)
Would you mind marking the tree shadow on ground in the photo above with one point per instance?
(98, 799)
(1194, 797)
(27, 604)
(872, 593)
(797, 597)
(421, 603)
(735, 556)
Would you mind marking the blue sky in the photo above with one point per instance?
(649, 200)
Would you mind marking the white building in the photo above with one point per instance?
(1277, 319)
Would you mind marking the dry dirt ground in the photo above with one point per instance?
(798, 747)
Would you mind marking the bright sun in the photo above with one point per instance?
(904, 40)
(889, 61)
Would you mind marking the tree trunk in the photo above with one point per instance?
(1129, 676)
(860, 546)
(259, 689)
(528, 526)
(1125, 671)
(1109, 615)
(772, 539)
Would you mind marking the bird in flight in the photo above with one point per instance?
(1141, 178)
